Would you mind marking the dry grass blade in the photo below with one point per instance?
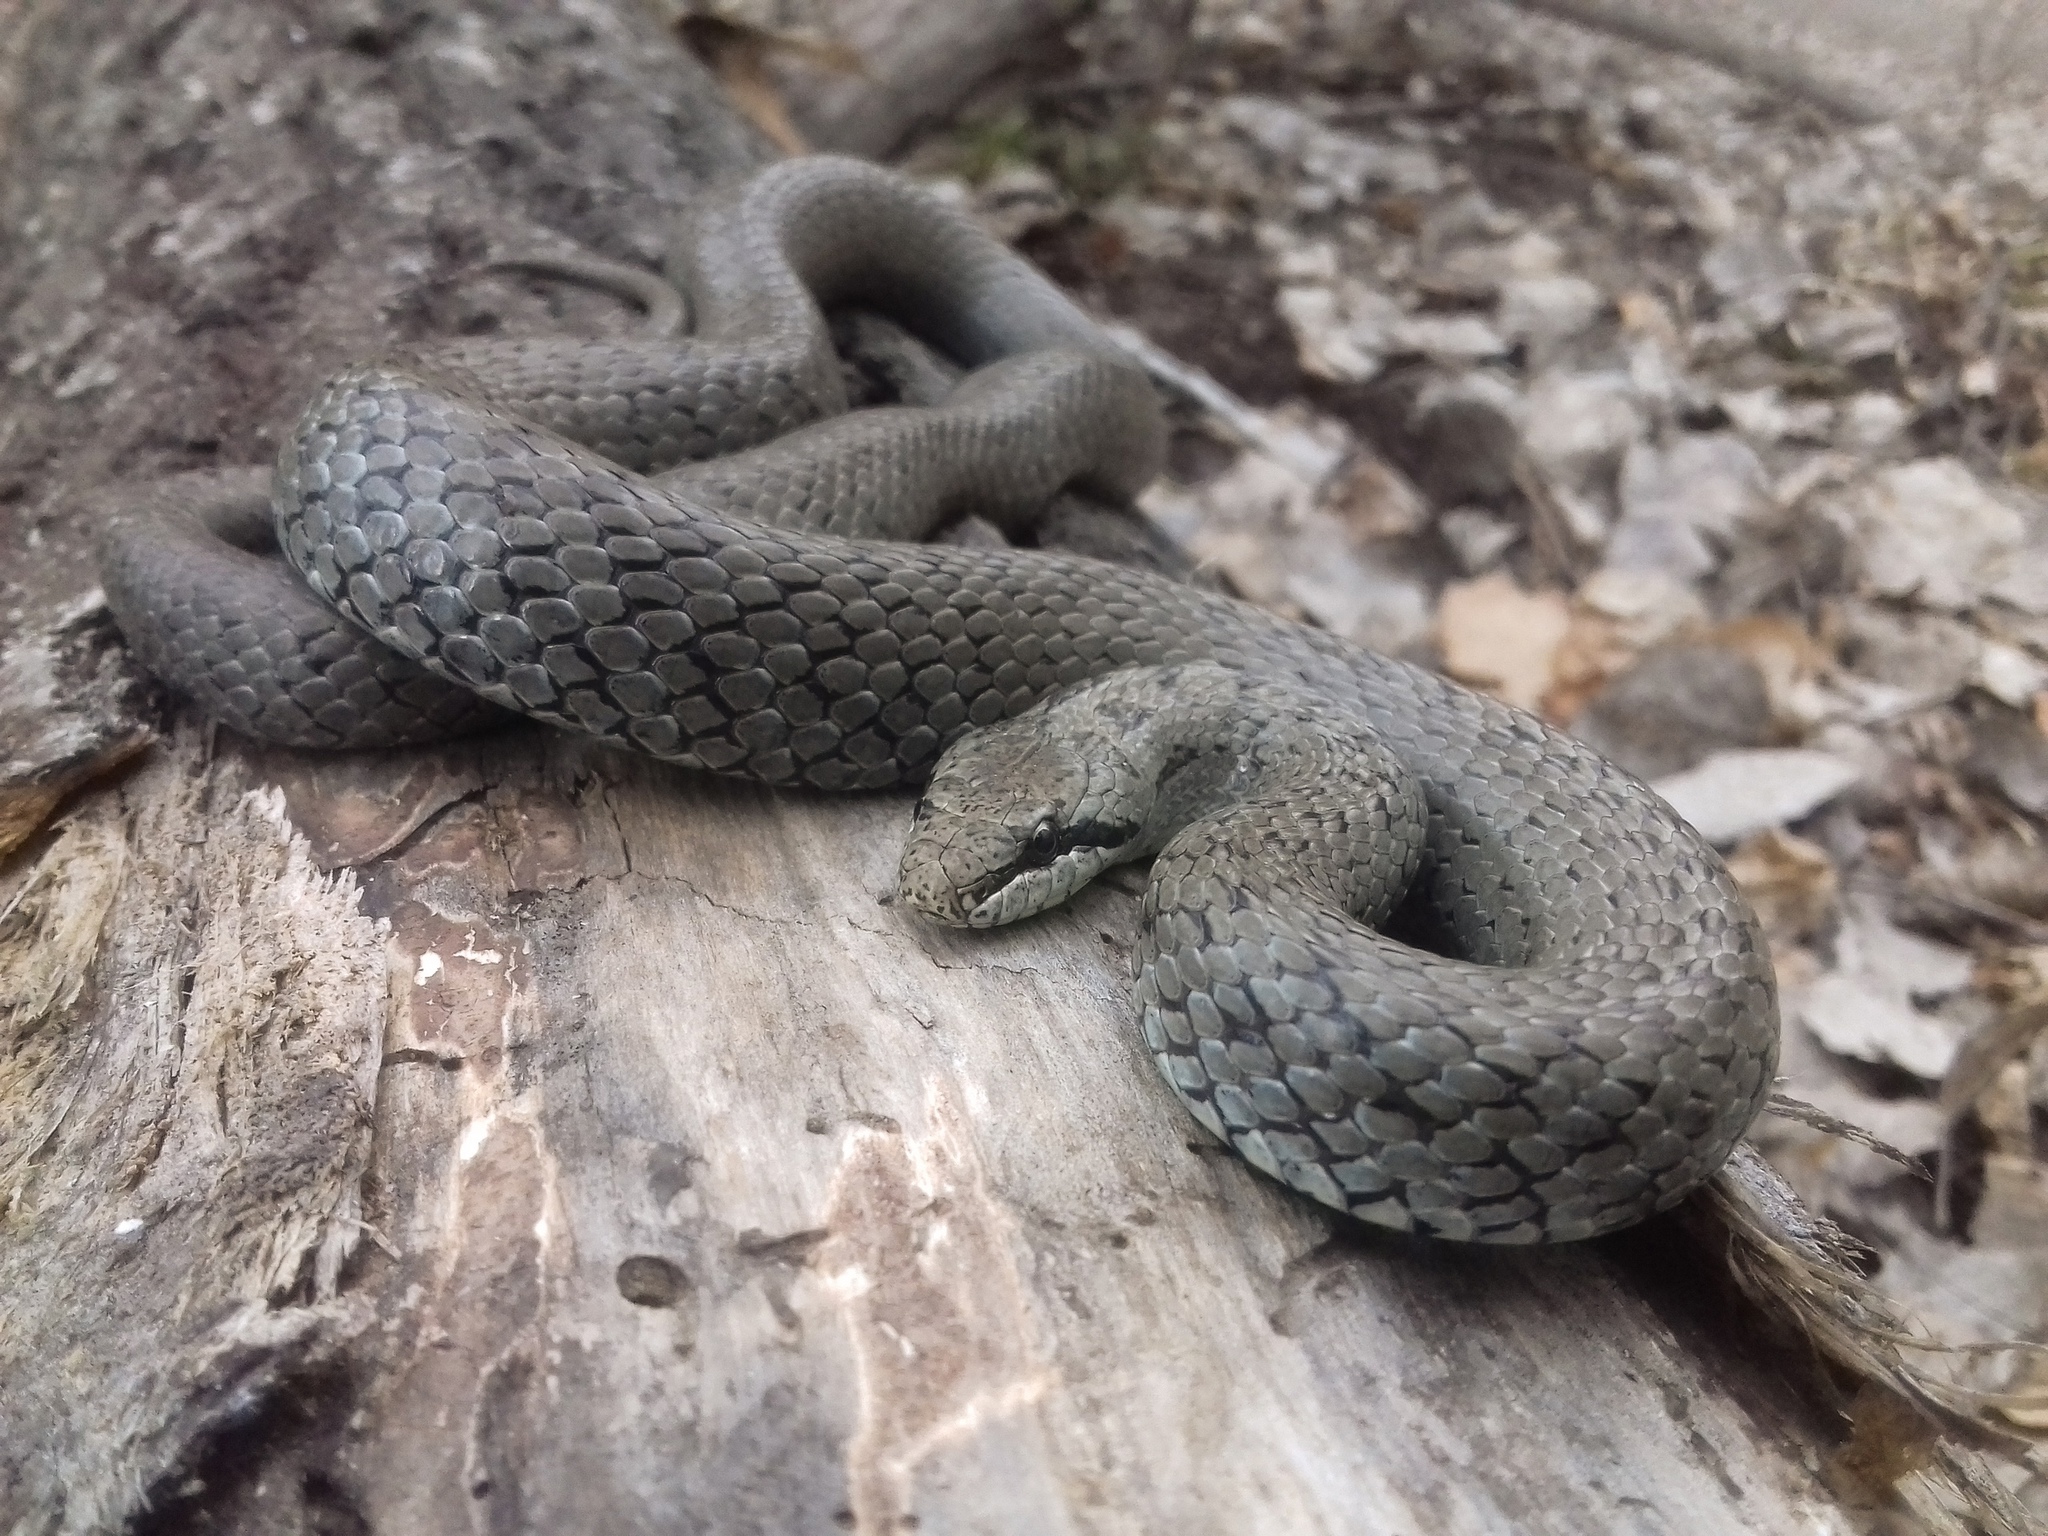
(742, 57)
(1789, 1108)
(1916, 1433)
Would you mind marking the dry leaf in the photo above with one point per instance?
(1644, 314)
(740, 56)
(1730, 795)
(1789, 658)
(1376, 501)
(1791, 882)
(1497, 637)
(1877, 1005)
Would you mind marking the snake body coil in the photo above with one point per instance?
(485, 514)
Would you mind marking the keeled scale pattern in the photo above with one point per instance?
(1060, 407)
(555, 583)
(1603, 1075)
(256, 649)
(1601, 1069)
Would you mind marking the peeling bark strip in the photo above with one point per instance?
(547, 1141)
(188, 1085)
(65, 718)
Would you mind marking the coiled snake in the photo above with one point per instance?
(687, 547)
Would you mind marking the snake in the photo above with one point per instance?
(1408, 950)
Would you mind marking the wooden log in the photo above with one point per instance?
(1785, 59)
(519, 1136)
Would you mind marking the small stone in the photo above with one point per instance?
(1466, 438)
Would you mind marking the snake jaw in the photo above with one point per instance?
(1024, 893)
(971, 873)
(979, 859)
(1012, 821)
(952, 860)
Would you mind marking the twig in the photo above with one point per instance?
(1801, 1270)
(2022, 927)
(1312, 460)
(1551, 534)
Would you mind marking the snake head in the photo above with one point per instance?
(1016, 819)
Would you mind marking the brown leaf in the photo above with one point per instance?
(740, 56)
(1791, 882)
(1497, 637)
(1788, 657)
(1376, 501)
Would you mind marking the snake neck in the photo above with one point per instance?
(1279, 798)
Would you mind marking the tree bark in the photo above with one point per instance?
(519, 1136)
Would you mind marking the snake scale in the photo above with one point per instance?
(690, 547)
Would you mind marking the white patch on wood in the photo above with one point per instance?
(923, 1261)
(474, 1135)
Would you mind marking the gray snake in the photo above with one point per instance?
(687, 547)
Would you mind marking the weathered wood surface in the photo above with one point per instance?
(520, 1137)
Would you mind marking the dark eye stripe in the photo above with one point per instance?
(1096, 834)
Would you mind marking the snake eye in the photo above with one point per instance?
(1045, 841)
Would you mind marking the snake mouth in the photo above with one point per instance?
(969, 872)
(1011, 894)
